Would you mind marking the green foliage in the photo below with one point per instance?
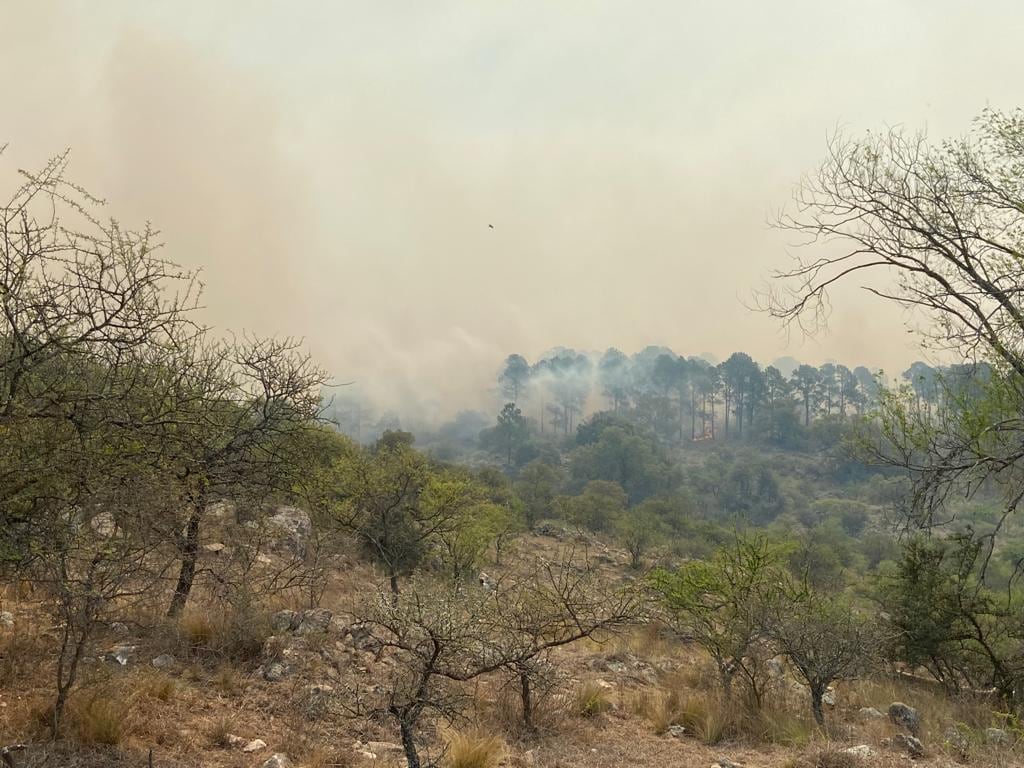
(622, 456)
(597, 507)
(537, 486)
(721, 604)
(638, 530)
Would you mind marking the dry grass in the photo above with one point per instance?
(99, 718)
(21, 648)
(589, 699)
(154, 684)
(220, 732)
(829, 756)
(235, 634)
(475, 747)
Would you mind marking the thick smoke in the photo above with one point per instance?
(419, 193)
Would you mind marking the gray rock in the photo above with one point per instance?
(314, 620)
(618, 667)
(775, 668)
(277, 671)
(121, 654)
(6, 619)
(829, 698)
(677, 731)
(956, 739)
(996, 736)
(909, 744)
(724, 762)
(862, 751)
(255, 745)
(284, 621)
(278, 760)
(120, 629)
(384, 747)
(904, 716)
(869, 713)
(362, 638)
(164, 661)
(487, 582)
(293, 528)
(104, 525)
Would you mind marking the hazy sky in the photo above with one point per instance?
(333, 167)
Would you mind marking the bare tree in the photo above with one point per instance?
(939, 227)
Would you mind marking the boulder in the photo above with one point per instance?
(487, 582)
(314, 620)
(103, 525)
(277, 671)
(869, 713)
(293, 528)
(164, 661)
(996, 736)
(909, 744)
(362, 638)
(278, 760)
(121, 654)
(957, 739)
(284, 621)
(677, 731)
(904, 716)
(862, 751)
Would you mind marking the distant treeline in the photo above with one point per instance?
(679, 399)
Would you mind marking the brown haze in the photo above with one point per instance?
(333, 167)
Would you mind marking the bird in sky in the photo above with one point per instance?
(490, 226)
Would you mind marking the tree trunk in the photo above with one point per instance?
(189, 547)
(527, 696)
(66, 682)
(412, 757)
(819, 714)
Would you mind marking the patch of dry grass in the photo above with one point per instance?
(474, 747)
(99, 718)
(589, 699)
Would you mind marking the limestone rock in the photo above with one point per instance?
(861, 750)
(869, 713)
(255, 745)
(293, 528)
(284, 621)
(164, 661)
(277, 671)
(278, 760)
(904, 716)
(121, 654)
(910, 744)
(996, 736)
(314, 620)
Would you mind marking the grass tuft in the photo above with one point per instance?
(475, 748)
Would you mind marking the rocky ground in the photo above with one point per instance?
(193, 694)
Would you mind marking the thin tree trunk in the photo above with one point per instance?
(527, 696)
(412, 757)
(819, 714)
(189, 547)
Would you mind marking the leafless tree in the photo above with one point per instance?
(939, 230)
